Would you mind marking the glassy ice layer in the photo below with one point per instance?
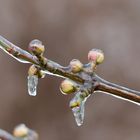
(78, 113)
(32, 85)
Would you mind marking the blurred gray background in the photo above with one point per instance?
(69, 29)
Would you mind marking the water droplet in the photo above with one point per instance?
(32, 85)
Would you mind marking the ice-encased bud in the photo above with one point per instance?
(76, 66)
(35, 47)
(67, 87)
(96, 56)
(20, 131)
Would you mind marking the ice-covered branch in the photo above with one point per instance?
(80, 78)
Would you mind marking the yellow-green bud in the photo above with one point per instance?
(76, 66)
(41, 74)
(33, 70)
(74, 104)
(67, 87)
(96, 56)
(36, 47)
(20, 131)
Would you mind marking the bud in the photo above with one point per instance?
(96, 56)
(67, 87)
(20, 131)
(36, 47)
(75, 104)
(41, 74)
(33, 70)
(76, 66)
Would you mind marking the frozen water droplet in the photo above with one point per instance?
(78, 113)
(78, 107)
(32, 85)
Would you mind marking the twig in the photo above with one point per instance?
(118, 91)
(82, 78)
(58, 70)
(25, 57)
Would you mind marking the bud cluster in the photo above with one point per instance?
(95, 57)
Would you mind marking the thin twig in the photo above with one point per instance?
(16, 52)
(118, 91)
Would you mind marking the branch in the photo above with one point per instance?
(16, 52)
(25, 57)
(79, 78)
(118, 91)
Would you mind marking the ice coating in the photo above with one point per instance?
(78, 113)
(77, 105)
(32, 85)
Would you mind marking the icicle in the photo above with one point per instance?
(78, 107)
(78, 113)
(32, 85)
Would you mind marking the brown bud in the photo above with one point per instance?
(76, 66)
(36, 47)
(96, 56)
(67, 87)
